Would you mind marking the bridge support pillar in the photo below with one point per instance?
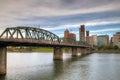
(83, 51)
(58, 53)
(89, 50)
(74, 52)
(3, 60)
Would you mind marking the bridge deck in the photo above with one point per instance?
(33, 42)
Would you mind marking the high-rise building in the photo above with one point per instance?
(103, 40)
(66, 34)
(82, 33)
(93, 40)
(111, 41)
(116, 39)
(72, 36)
(69, 36)
(87, 36)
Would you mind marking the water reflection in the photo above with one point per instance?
(58, 68)
(2, 77)
(41, 66)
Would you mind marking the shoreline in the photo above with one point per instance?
(47, 50)
(29, 51)
(107, 51)
(100, 51)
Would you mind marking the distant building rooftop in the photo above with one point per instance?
(117, 32)
(102, 35)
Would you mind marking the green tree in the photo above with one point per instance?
(110, 47)
(100, 47)
(116, 47)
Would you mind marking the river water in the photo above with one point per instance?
(41, 66)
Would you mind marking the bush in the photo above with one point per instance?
(108, 47)
(116, 47)
(100, 47)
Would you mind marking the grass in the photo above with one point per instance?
(42, 49)
(33, 49)
(29, 49)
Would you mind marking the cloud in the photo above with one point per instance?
(12, 9)
(105, 30)
(58, 14)
(102, 23)
(26, 10)
(93, 23)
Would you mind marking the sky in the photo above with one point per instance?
(100, 17)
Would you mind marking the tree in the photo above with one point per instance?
(116, 47)
(100, 47)
(110, 47)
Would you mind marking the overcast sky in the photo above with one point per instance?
(99, 16)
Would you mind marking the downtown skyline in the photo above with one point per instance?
(100, 17)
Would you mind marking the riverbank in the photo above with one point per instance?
(43, 49)
(107, 51)
(30, 49)
(34, 49)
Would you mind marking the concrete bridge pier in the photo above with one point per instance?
(83, 51)
(58, 53)
(74, 51)
(3, 60)
(89, 50)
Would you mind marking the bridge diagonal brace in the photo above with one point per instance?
(9, 32)
(11, 36)
(21, 34)
(30, 36)
(4, 33)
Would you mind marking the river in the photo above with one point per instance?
(41, 66)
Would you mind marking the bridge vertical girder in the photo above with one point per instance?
(17, 35)
(6, 34)
(26, 34)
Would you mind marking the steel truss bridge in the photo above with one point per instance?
(30, 36)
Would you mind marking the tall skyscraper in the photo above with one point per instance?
(116, 39)
(87, 36)
(103, 40)
(82, 33)
(111, 41)
(66, 34)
